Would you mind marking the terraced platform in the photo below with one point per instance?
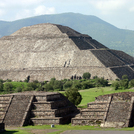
(113, 110)
(33, 108)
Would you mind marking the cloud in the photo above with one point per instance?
(44, 10)
(2, 12)
(107, 6)
(131, 9)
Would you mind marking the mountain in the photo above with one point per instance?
(98, 29)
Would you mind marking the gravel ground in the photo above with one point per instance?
(96, 132)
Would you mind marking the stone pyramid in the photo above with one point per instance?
(45, 51)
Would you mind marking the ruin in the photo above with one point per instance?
(45, 51)
(35, 108)
(112, 110)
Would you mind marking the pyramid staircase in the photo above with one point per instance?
(52, 110)
(5, 101)
(95, 114)
(35, 108)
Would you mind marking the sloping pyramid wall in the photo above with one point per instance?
(35, 108)
(114, 110)
(47, 50)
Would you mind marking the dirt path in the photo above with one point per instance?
(96, 132)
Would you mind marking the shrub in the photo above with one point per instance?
(28, 89)
(101, 82)
(116, 85)
(131, 83)
(32, 85)
(73, 96)
(86, 75)
(67, 85)
(57, 85)
(124, 77)
(124, 83)
(86, 85)
(1, 86)
(8, 87)
(18, 89)
(48, 87)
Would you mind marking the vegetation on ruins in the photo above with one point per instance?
(73, 96)
(86, 75)
(124, 83)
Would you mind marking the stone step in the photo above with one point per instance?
(2, 109)
(92, 113)
(97, 106)
(93, 116)
(49, 104)
(53, 112)
(52, 120)
(50, 97)
(86, 121)
(46, 120)
(5, 98)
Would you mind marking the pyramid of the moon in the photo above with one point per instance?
(45, 51)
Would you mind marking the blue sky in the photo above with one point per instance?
(119, 13)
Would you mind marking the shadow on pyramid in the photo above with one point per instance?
(45, 51)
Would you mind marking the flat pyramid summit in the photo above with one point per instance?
(45, 51)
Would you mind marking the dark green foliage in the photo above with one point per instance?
(1, 86)
(1, 80)
(131, 83)
(73, 96)
(33, 85)
(18, 89)
(101, 82)
(116, 85)
(57, 85)
(124, 77)
(86, 84)
(86, 75)
(40, 88)
(67, 85)
(28, 89)
(8, 80)
(48, 87)
(124, 83)
(8, 87)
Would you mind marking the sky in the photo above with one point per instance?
(119, 13)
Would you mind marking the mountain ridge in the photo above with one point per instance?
(95, 27)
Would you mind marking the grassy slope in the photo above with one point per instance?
(89, 95)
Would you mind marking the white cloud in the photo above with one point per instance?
(107, 6)
(44, 10)
(2, 12)
(131, 9)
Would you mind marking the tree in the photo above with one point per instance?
(8, 87)
(68, 84)
(86, 75)
(101, 82)
(73, 96)
(131, 83)
(1, 86)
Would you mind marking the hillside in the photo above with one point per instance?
(98, 29)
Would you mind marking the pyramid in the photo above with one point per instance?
(45, 51)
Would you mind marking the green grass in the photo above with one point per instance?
(18, 84)
(60, 128)
(89, 95)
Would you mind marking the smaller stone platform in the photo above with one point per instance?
(34, 108)
(113, 110)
